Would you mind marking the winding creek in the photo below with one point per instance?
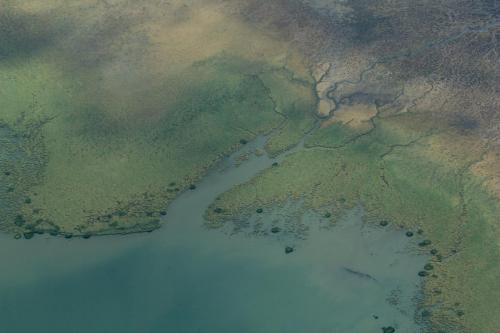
(186, 278)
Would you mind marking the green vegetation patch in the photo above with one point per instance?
(107, 167)
(295, 100)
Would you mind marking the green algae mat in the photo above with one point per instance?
(109, 110)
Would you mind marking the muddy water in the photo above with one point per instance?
(186, 278)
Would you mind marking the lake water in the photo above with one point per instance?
(185, 278)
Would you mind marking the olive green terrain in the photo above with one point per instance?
(80, 156)
(109, 110)
(103, 175)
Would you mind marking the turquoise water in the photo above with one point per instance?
(185, 278)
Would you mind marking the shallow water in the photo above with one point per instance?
(186, 278)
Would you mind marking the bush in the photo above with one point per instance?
(19, 220)
(425, 242)
(28, 234)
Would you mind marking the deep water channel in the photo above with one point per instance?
(187, 278)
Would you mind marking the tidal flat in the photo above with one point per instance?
(112, 112)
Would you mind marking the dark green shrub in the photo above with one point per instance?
(423, 273)
(28, 234)
(19, 220)
(425, 242)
